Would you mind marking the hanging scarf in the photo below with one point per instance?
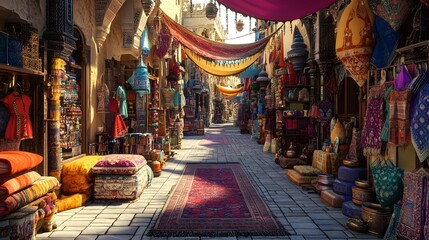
(374, 119)
(386, 41)
(420, 123)
(399, 102)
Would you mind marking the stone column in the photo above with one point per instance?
(60, 45)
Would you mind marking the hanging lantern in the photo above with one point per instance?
(211, 10)
(298, 54)
(139, 81)
(197, 87)
(263, 79)
(147, 6)
(239, 25)
(355, 41)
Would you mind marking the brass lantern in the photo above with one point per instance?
(239, 25)
(211, 10)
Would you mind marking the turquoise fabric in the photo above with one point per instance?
(122, 97)
(388, 182)
(384, 135)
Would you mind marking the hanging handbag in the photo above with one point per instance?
(388, 181)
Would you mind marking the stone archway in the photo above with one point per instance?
(105, 11)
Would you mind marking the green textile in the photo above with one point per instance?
(388, 182)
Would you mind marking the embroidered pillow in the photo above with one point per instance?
(119, 164)
(306, 170)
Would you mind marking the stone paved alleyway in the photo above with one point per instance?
(302, 213)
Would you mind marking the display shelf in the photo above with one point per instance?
(296, 117)
(297, 86)
(20, 70)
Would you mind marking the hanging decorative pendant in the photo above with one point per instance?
(211, 10)
(355, 41)
(147, 6)
(163, 42)
(263, 79)
(139, 81)
(298, 54)
(239, 25)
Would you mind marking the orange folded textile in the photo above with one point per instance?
(72, 201)
(12, 184)
(12, 162)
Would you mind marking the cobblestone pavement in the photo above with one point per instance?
(301, 212)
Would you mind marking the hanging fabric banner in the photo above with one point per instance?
(219, 68)
(276, 10)
(212, 49)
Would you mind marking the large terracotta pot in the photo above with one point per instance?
(355, 41)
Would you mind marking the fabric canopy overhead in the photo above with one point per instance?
(212, 49)
(221, 68)
(276, 10)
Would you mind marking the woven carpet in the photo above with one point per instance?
(214, 139)
(215, 200)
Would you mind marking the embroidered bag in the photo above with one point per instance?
(388, 181)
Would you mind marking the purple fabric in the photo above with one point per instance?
(276, 10)
(119, 164)
(403, 80)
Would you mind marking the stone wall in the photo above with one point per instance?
(33, 12)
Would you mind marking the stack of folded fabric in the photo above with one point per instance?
(77, 183)
(27, 200)
(121, 177)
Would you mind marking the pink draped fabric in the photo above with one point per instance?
(276, 10)
(211, 49)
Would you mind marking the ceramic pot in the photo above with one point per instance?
(156, 168)
(357, 225)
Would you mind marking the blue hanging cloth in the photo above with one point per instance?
(386, 42)
(144, 43)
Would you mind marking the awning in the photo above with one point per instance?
(228, 90)
(277, 10)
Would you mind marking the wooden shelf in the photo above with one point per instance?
(306, 102)
(297, 86)
(295, 117)
(19, 70)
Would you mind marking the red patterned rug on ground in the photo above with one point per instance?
(215, 200)
(214, 139)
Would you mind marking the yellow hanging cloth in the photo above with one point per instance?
(217, 69)
(228, 90)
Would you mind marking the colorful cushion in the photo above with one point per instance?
(72, 201)
(10, 185)
(343, 188)
(306, 170)
(352, 174)
(350, 209)
(299, 179)
(77, 176)
(12, 162)
(121, 187)
(119, 164)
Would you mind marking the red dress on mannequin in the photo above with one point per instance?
(119, 126)
(19, 124)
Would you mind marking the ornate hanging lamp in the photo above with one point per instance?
(298, 54)
(355, 41)
(263, 79)
(147, 6)
(139, 81)
(211, 10)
